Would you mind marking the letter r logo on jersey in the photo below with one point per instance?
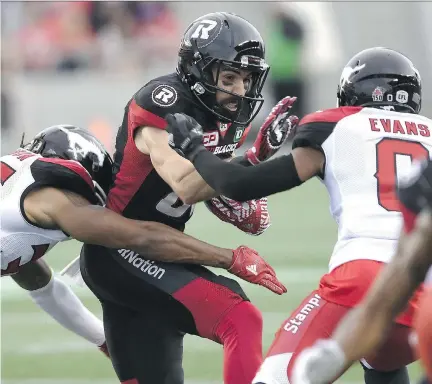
(204, 27)
(164, 96)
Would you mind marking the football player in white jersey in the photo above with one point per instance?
(52, 190)
(357, 150)
(362, 331)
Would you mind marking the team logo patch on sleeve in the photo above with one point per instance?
(164, 95)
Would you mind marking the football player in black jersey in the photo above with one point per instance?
(53, 189)
(220, 74)
(377, 82)
(365, 328)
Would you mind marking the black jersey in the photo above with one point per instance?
(138, 191)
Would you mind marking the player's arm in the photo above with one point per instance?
(93, 224)
(305, 161)
(273, 176)
(97, 225)
(33, 276)
(58, 300)
(175, 170)
(146, 117)
(245, 183)
(178, 172)
(365, 328)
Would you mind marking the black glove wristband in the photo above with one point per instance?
(191, 155)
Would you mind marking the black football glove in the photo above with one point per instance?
(415, 189)
(186, 135)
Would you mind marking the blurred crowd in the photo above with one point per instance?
(68, 36)
(120, 37)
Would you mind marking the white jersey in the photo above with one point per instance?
(22, 172)
(366, 151)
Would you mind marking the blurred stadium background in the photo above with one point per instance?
(80, 62)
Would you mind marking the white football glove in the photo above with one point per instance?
(320, 364)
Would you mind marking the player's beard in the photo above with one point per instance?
(231, 114)
(231, 104)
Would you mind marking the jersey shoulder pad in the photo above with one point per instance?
(316, 127)
(159, 97)
(64, 174)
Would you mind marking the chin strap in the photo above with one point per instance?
(22, 140)
(100, 194)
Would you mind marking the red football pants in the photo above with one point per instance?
(318, 315)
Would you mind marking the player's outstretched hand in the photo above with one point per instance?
(250, 266)
(276, 129)
(185, 134)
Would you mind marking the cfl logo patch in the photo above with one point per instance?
(402, 97)
(164, 96)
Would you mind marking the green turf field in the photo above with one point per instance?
(35, 350)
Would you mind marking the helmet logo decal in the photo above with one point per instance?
(378, 94)
(416, 98)
(348, 71)
(402, 97)
(203, 29)
(81, 146)
(164, 96)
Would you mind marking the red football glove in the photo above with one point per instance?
(251, 217)
(250, 266)
(273, 133)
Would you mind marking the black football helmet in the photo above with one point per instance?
(383, 78)
(224, 40)
(73, 143)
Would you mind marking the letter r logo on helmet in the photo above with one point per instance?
(204, 27)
